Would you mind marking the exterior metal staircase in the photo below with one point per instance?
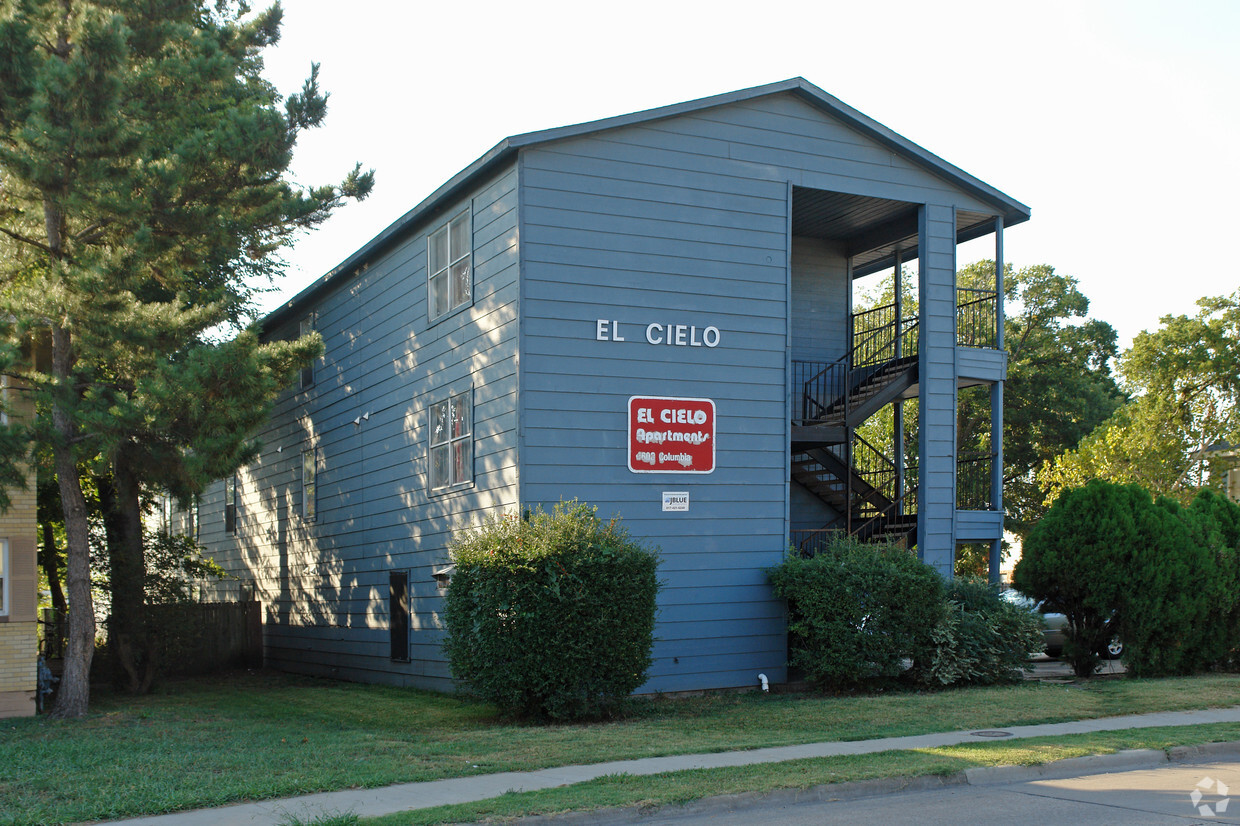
(830, 459)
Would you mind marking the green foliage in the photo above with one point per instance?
(856, 611)
(1186, 379)
(145, 195)
(1059, 385)
(1217, 521)
(1078, 560)
(174, 565)
(551, 616)
(1156, 574)
(980, 639)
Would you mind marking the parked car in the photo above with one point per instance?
(1055, 626)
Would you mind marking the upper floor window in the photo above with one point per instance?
(163, 515)
(4, 577)
(307, 372)
(451, 280)
(230, 504)
(309, 488)
(452, 446)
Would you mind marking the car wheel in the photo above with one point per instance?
(1114, 649)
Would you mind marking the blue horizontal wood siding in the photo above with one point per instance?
(685, 220)
(611, 231)
(324, 584)
(936, 496)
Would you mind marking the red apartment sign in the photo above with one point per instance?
(668, 435)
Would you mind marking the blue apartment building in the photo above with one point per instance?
(652, 314)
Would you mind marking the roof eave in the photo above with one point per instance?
(292, 308)
(1013, 211)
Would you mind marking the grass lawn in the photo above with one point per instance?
(251, 736)
(685, 787)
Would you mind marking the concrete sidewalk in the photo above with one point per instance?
(407, 796)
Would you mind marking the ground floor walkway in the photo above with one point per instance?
(407, 796)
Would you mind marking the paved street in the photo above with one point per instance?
(1142, 796)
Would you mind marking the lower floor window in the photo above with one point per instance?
(4, 577)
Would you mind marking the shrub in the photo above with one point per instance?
(980, 638)
(551, 616)
(1219, 519)
(1164, 615)
(1078, 559)
(1117, 563)
(856, 611)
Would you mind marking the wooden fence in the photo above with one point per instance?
(201, 637)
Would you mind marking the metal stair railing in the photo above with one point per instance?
(900, 512)
(828, 390)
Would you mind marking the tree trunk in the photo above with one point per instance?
(49, 561)
(128, 635)
(73, 699)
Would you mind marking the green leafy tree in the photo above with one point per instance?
(142, 195)
(1185, 377)
(1059, 385)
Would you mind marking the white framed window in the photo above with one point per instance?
(452, 443)
(309, 486)
(450, 277)
(230, 504)
(307, 373)
(163, 517)
(4, 577)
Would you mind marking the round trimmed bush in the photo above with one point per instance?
(857, 611)
(552, 616)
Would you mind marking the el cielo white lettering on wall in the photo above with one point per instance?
(676, 335)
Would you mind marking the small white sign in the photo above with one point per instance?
(675, 500)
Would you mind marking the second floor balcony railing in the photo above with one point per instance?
(977, 317)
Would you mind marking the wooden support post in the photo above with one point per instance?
(996, 409)
(898, 406)
(936, 413)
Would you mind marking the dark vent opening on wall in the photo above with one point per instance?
(398, 613)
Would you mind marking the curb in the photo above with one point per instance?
(988, 776)
(1184, 754)
(722, 804)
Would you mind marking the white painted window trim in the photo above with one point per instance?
(459, 290)
(309, 484)
(441, 441)
(231, 483)
(5, 578)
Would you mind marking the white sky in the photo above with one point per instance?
(1116, 122)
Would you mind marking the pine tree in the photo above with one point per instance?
(142, 198)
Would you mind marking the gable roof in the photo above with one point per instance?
(1013, 211)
